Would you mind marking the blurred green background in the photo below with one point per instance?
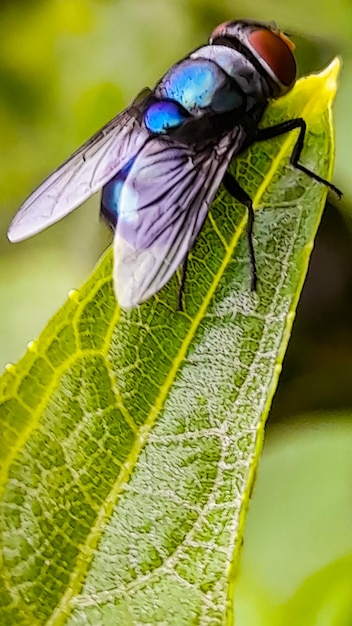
(66, 68)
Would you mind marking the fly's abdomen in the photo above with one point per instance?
(163, 115)
(195, 90)
(110, 198)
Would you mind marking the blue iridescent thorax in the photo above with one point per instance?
(200, 84)
(193, 87)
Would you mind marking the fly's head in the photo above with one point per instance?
(270, 50)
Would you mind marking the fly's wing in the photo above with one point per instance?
(84, 172)
(163, 205)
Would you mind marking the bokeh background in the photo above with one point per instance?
(66, 68)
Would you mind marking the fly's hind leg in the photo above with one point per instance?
(262, 134)
(234, 189)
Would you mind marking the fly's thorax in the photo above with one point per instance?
(200, 85)
(212, 82)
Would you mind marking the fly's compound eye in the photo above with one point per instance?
(276, 50)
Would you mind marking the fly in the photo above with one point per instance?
(161, 161)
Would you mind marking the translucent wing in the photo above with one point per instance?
(163, 205)
(84, 172)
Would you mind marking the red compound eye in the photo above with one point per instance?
(277, 51)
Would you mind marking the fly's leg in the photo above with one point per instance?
(262, 134)
(234, 189)
(181, 288)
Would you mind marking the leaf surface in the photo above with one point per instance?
(130, 439)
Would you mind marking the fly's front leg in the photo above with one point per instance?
(262, 134)
(234, 189)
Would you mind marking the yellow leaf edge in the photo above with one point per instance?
(324, 84)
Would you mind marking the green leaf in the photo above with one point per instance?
(296, 566)
(130, 439)
(323, 599)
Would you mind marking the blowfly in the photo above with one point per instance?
(161, 160)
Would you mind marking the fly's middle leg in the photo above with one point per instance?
(234, 189)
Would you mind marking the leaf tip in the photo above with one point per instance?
(320, 89)
(329, 77)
